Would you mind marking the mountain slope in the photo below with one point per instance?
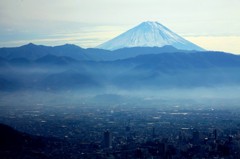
(149, 34)
(179, 70)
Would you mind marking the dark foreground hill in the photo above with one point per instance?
(19, 145)
(15, 144)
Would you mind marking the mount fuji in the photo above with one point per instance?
(149, 34)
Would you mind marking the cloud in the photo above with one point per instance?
(83, 36)
(218, 43)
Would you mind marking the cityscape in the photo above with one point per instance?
(124, 131)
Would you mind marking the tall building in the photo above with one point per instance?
(196, 137)
(153, 132)
(215, 134)
(107, 139)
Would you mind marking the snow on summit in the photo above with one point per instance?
(149, 34)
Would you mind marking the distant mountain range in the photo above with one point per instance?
(69, 67)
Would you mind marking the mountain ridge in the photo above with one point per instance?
(33, 52)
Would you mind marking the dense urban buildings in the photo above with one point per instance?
(123, 131)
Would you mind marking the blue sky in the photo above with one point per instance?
(212, 24)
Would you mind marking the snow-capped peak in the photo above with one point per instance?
(149, 34)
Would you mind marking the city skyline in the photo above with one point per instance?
(213, 25)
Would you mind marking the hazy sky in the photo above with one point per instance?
(212, 24)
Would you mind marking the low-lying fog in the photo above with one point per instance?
(208, 97)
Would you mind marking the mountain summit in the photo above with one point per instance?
(149, 34)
